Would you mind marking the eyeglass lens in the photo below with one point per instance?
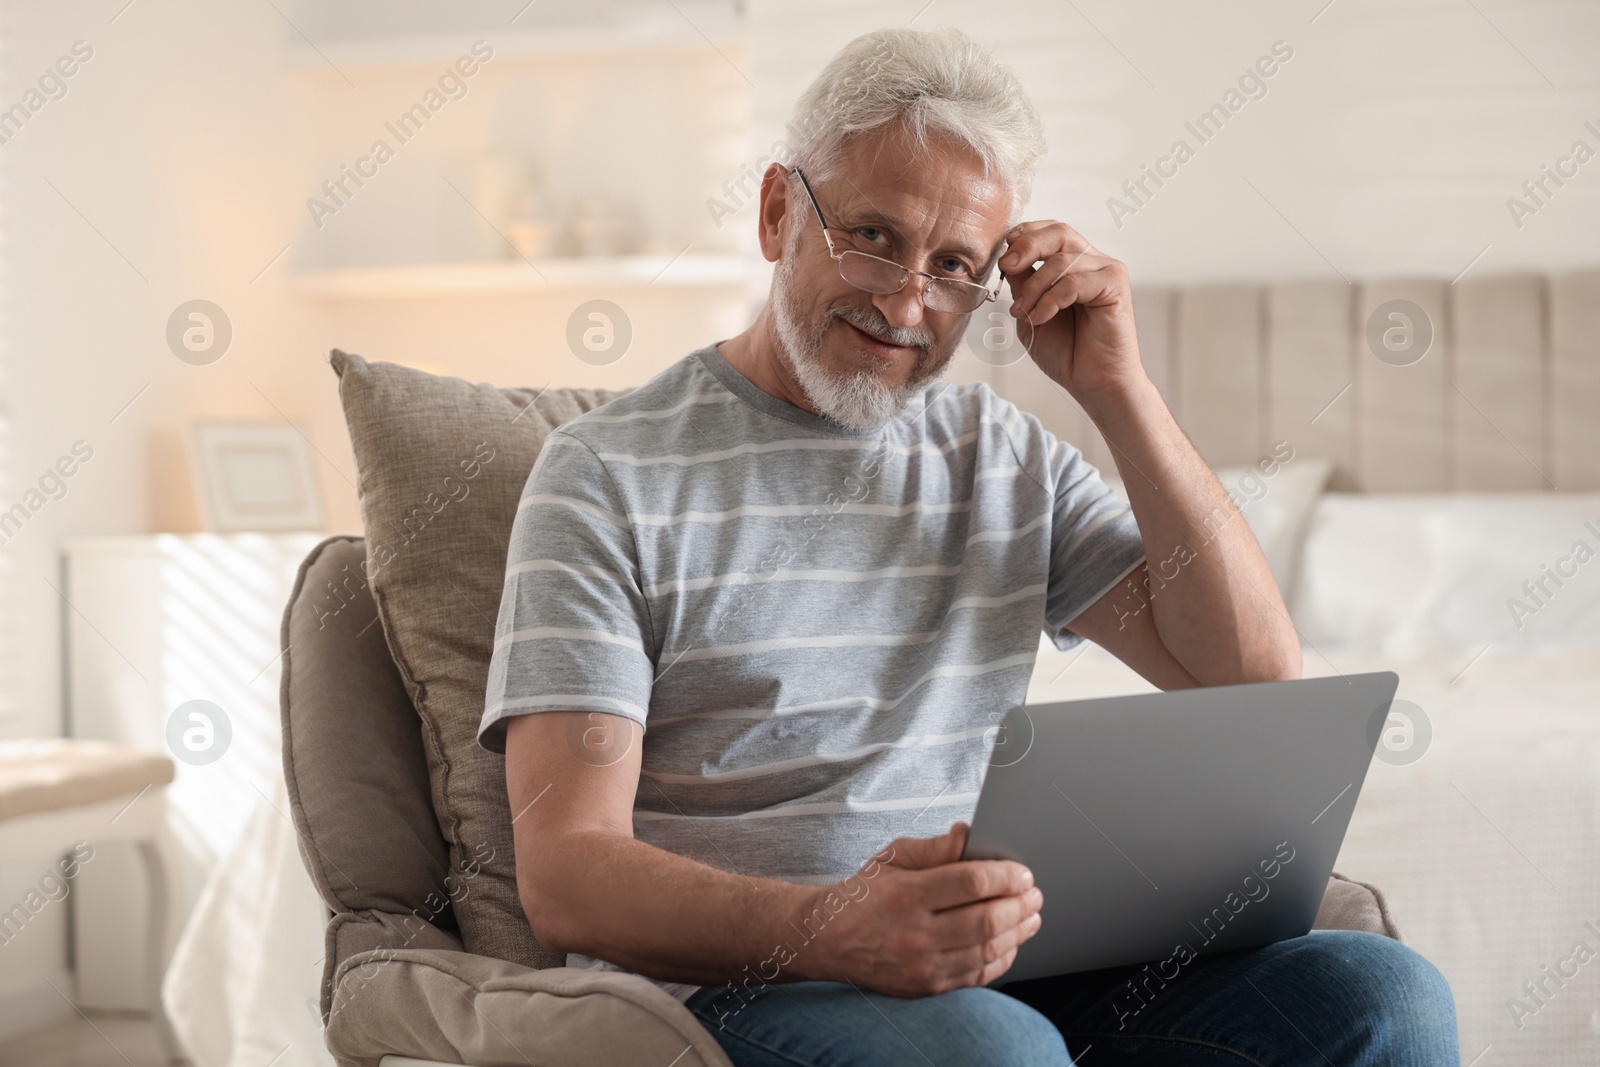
(880, 276)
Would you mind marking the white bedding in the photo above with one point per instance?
(1429, 574)
(243, 984)
(1487, 846)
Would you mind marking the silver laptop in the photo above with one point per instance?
(1171, 825)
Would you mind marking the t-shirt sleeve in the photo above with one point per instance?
(1094, 540)
(573, 632)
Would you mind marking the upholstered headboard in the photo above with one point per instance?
(1507, 397)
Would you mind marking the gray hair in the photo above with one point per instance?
(938, 80)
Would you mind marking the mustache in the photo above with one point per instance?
(872, 321)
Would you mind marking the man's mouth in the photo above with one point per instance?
(880, 348)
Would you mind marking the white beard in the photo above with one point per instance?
(857, 401)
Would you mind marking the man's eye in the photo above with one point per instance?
(950, 265)
(870, 234)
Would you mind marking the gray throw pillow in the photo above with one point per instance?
(441, 464)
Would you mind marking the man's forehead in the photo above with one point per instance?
(937, 194)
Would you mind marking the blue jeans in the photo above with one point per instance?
(1335, 998)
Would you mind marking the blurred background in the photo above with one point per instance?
(195, 214)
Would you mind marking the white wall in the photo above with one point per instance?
(178, 166)
(190, 144)
(166, 142)
(1390, 141)
(1386, 146)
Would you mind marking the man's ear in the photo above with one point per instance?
(776, 210)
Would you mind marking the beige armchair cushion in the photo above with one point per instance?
(441, 464)
(459, 1008)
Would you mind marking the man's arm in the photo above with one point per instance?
(915, 921)
(1204, 608)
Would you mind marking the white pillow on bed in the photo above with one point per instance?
(1277, 505)
(1438, 574)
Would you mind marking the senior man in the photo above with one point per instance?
(762, 614)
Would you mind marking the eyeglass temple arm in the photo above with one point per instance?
(813, 196)
(826, 236)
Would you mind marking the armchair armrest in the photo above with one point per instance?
(1352, 905)
(458, 1008)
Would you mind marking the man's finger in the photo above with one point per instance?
(971, 950)
(1030, 242)
(955, 884)
(1090, 289)
(1027, 294)
(973, 924)
(917, 853)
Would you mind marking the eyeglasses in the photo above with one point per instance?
(884, 277)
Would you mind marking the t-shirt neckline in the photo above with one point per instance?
(764, 402)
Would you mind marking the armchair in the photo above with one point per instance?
(402, 820)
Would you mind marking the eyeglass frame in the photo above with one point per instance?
(906, 272)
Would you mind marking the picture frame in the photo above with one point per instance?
(254, 476)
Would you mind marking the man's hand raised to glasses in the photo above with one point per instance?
(925, 922)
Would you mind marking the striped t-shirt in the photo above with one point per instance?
(818, 628)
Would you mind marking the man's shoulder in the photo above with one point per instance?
(650, 410)
(966, 406)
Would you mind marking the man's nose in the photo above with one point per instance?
(902, 309)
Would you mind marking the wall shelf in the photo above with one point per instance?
(666, 32)
(517, 276)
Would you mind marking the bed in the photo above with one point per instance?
(1466, 475)
(1481, 818)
